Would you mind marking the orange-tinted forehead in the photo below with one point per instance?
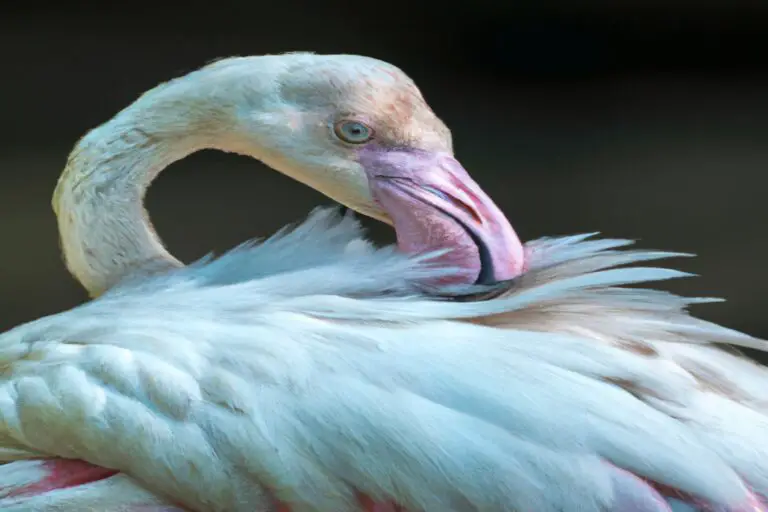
(397, 109)
(381, 95)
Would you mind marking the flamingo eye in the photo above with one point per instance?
(353, 132)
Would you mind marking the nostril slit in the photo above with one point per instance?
(439, 193)
(469, 210)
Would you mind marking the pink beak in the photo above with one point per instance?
(434, 204)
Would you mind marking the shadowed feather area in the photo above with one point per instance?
(312, 367)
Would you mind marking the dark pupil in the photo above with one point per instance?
(355, 130)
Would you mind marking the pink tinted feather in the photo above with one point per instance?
(63, 484)
(45, 478)
(585, 308)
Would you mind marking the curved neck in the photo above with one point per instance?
(105, 231)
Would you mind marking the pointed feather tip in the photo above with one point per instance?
(703, 300)
(628, 275)
(578, 238)
(592, 238)
(676, 254)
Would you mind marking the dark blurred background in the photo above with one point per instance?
(640, 119)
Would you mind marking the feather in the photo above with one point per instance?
(311, 377)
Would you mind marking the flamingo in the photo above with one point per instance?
(458, 371)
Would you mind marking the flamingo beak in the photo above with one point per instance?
(434, 204)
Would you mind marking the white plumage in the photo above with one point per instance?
(331, 376)
(315, 372)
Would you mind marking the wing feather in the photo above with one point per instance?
(312, 386)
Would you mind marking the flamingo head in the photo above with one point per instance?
(359, 130)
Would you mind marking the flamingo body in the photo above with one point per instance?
(309, 378)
